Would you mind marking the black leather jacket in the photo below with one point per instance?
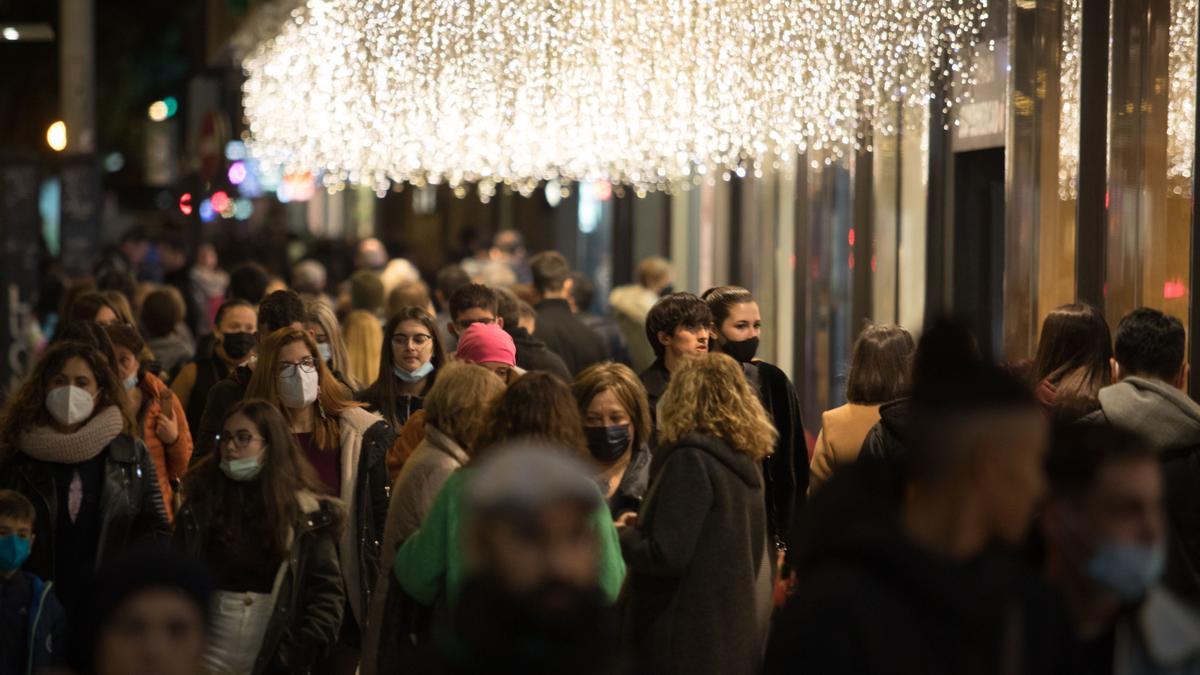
(309, 604)
(371, 493)
(131, 503)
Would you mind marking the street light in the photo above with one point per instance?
(11, 34)
(56, 136)
(157, 111)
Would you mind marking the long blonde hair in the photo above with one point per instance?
(321, 314)
(364, 340)
(709, 394)
(332, 397)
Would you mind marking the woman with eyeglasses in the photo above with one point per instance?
(258, 517)
(322, 325)
(346, 445)
(409, 362)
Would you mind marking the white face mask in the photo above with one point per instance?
(299, 390)
(70, 405)
(325, 351)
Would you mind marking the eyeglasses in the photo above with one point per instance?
(288, 368)
(464, 324)
(241, 440)
(418, 340)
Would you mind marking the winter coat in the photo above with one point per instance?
(1161, 638)
(172, 352)
(869, 601)
(532, 354)
(221, 398)
(565, 335)
(630, 305)
(413, 493)
(843, 431)
(309, 593)
(407, 440)
(41, 642)
(655, 378)
(1170, 421)
(196, 379)
(699, 567)
(365, 439)
(632, 488)
(132, 510)
(885, 449)
(785, 471)
(171, 461)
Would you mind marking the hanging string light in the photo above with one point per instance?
(1181, 101)
(655, 94)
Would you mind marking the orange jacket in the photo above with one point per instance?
(171, 461)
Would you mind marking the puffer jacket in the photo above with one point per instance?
(309, 595)
(170, 461)
(1170, 421)
(131, 504)
(365, 489)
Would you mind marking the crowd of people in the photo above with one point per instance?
(234, 473)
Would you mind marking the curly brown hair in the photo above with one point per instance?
(709, 395)
(537, 405)
(27, 408)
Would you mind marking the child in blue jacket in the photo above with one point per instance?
(32, 623)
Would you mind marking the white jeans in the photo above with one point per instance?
(239, 624)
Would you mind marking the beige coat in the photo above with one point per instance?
(843, 431)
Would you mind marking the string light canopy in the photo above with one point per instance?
(654, 94)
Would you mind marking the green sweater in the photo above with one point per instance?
(431, 560)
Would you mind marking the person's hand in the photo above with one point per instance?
(627, 520)
(167, 430)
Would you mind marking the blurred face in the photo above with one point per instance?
(1009, 477)
(156, 632)
(558, 544)
(606, 410)
(470, 316)
(412, 345)
(744, 322)
(1124, 506)
(318, 333)
(241, 438)
(238, 320)
(106, 317)
(127, 362)
(685, 341)
(75, 372)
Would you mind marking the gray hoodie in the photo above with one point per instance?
(1153, 409)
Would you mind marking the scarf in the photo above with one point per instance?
(47, 445)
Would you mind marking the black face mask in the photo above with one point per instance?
(238, 345)
(607, 444)
(742, 352)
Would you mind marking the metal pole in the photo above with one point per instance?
(1092, 206)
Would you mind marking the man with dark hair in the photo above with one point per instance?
(248, 282)
(583, 294)
(519, 320)
(934, 587)
(281, 309)
(1149, 400)
(676, 327)
(1106, 540)
(557, 326)
(175, 257)
(449, 279)
(471, 304)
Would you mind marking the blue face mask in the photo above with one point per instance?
(130, 382)
(1128, 570)
(13, 552)
(417, 375)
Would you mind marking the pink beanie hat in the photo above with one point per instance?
(486, 343)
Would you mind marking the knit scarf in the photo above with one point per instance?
(47, 445)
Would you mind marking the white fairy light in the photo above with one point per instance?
(1181, 100)
(655, 94)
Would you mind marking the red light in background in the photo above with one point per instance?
(850, 262)
(1173, 289)
(850, 237)
(185, 203)
(220, 201)
(872, 263)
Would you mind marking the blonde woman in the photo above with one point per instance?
(364, 341)
(322, 325)
(699, 571)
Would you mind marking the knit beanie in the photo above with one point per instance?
(486, 343)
